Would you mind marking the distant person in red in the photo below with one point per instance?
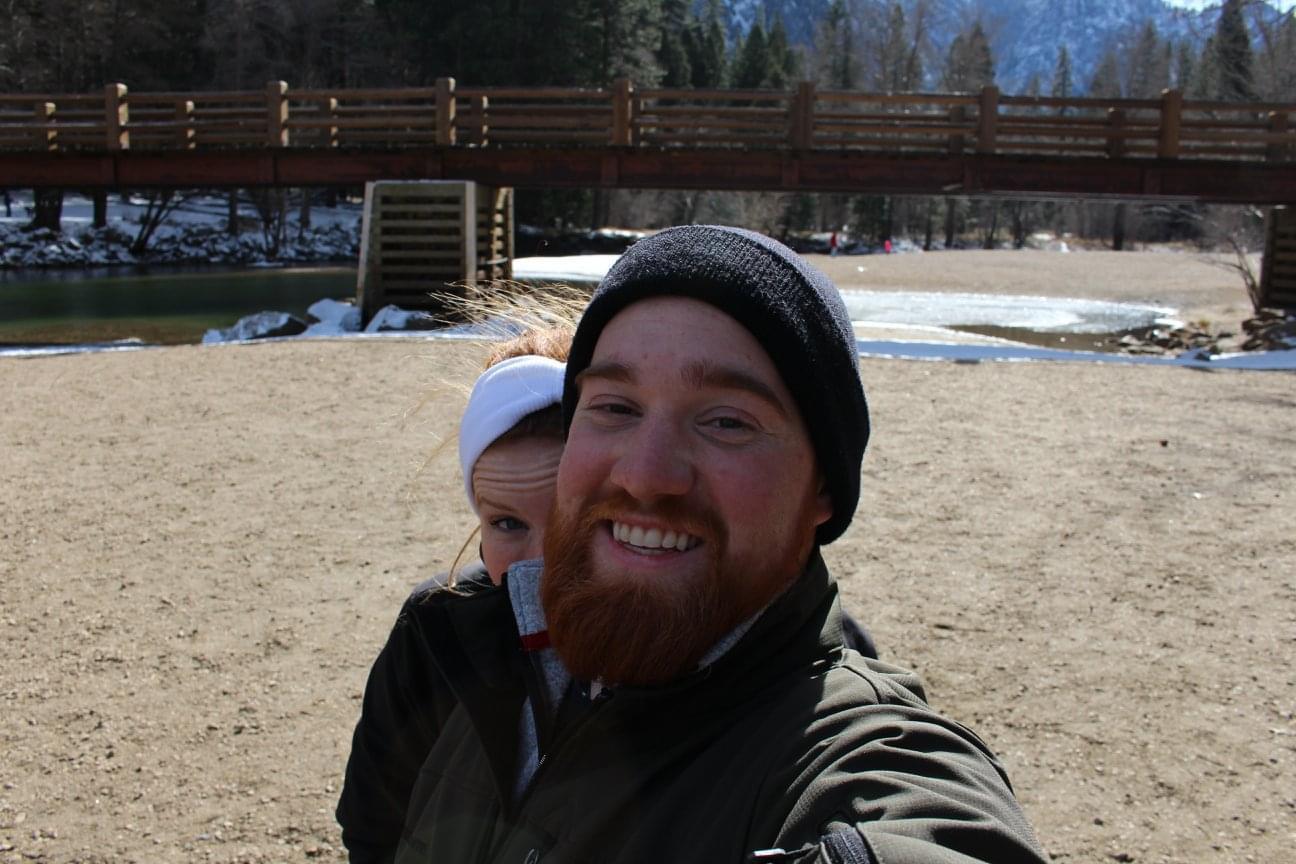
(832, 244)
(886, 246)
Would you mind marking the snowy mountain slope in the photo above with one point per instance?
(1025, 35)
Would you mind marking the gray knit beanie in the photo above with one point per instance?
(791, 308)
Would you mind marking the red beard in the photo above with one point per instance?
(622, 629)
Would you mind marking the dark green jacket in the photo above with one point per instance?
(782, 740)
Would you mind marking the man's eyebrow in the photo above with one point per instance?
(700, 374)
(609, 370)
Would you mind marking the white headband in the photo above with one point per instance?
(503, 395)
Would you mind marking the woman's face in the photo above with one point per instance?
(513, 482)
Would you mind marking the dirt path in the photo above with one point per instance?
(203, 549)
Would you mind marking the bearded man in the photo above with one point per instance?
(672, 686)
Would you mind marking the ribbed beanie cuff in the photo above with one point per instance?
(792, 309)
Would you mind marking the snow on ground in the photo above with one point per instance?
(192, 233)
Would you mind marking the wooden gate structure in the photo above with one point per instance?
(1278, 268)
(422, 239)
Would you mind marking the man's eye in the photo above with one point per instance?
(611, 409)
(508, 523)
(728, 424)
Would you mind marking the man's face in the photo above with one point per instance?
(687, 498)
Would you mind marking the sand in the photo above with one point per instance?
(204, 548)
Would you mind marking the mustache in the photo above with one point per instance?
(676, 513)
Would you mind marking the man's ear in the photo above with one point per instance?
(823, 509)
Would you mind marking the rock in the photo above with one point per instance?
(393, 318)
(332, 316)
(263, 325)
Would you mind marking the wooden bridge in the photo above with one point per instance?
(804, 139)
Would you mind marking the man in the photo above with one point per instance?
(672, 686)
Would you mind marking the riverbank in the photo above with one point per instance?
(1091, 565)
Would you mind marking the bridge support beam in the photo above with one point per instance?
(1277, 286)
(1261, 183)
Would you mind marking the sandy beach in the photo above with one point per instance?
(1094, 566)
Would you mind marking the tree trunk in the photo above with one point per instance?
(232, 214)
(304, 214)
(48, 211)
(927, 233)
(100, 209)
(949, 223)
(1118, 227)
(988, 241)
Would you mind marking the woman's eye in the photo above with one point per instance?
(508, 523)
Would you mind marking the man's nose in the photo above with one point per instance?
(654, 464)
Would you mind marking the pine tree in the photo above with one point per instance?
(704, 42)
(969, 65)
(1061, 86)
(1205, 77)
(752, 64)
(783, 69)
(1106, 83)
(673, 55)
(1185, 66)
(899, 62)
(1235, 81)
(1276, 66)
(1148, 64)
(835, 49)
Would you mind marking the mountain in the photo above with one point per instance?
(1025, 35)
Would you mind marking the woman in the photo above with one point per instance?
(510, 441)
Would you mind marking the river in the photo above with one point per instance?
(160, 305)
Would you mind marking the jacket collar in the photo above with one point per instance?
(472, 637)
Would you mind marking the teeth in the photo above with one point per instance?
(653, 538)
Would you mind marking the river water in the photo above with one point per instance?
(164, 305)
(177, 305)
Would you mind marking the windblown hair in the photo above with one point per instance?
(516, 321)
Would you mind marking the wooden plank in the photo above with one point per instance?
(701, 96)
(706, 111)
(545, 93)
(916, 99)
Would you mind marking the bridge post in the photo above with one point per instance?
(989, 115)
(622, 94)
(277, 113)
(116, 117)
(801, 127)
(1171, 115)
(44, 134)
(445, 112)
(184, 123)
(1277, 150)
(328, 111)
(1115, 141)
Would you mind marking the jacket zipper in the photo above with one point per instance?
(560, 746)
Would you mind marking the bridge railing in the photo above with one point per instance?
(804, 118)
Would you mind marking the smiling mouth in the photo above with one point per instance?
(653, 539)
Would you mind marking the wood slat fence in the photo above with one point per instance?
(623, 115)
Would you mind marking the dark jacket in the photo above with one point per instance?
(782, 740)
